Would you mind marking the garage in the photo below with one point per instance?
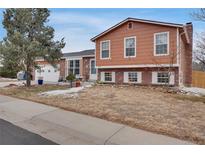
(48, 72)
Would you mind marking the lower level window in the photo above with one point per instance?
(108, 76)
(132, 76)
(163, 77)
(74, 67)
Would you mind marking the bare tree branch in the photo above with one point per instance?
(199, 15)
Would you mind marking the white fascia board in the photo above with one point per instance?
(138, 66)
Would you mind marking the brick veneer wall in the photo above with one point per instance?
(146, 74)
(62, 68)
(86, 68)
(186, 56)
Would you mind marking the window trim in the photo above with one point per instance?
(102, 76)
(101, 49)
(125, 38)
(155, 77)
(155, 34)
(169, 75)
(111, 76)
(139, 77)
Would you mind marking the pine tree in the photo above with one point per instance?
(29, 37)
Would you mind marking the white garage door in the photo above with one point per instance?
(48, 72)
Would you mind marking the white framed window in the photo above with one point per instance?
(163, 78)
(133, 77)
(105, 49)
(161, 44)
(107, 76)
(74, 67)
(130, 47)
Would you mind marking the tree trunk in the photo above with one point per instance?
(28, 79)
(28, 76)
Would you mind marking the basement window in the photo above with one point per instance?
(163, 77)
(108, 76)
(132, 76)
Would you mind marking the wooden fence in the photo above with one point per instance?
(198, 79)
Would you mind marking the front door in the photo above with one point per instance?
(93, 71)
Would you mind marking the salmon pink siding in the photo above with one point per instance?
(144, 34)
(145, 61)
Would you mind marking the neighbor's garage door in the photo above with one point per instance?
(48, 72)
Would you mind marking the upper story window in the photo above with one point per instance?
(161, 43)
(129, 47)
(105, 49)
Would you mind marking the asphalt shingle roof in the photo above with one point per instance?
(80, 53)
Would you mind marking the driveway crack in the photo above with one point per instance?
(114, 134)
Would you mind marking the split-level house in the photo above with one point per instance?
(133, 51)
(145, 52)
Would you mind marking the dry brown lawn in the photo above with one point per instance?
(147, 108)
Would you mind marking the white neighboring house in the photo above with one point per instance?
(48, 72)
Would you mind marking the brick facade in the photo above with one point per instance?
(86, 68)
(146, 74)
(62, 68)
(186, 56)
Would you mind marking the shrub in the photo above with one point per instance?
(71, 78)
(7, 73)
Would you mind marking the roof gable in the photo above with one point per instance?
(137, 20)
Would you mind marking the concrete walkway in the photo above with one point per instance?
(64, 127)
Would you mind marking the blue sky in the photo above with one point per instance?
(78, 26)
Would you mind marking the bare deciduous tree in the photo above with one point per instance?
(169, 69)
(199, 15)
(199, 52)
(200, 48)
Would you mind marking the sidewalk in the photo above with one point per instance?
(64, 127)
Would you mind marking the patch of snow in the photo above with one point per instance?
(193, 90)
(88, 84)
(11, 79)
(63, 92)
(14, 83)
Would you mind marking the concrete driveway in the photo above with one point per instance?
(64, 127)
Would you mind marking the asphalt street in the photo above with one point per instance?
(14, 135)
